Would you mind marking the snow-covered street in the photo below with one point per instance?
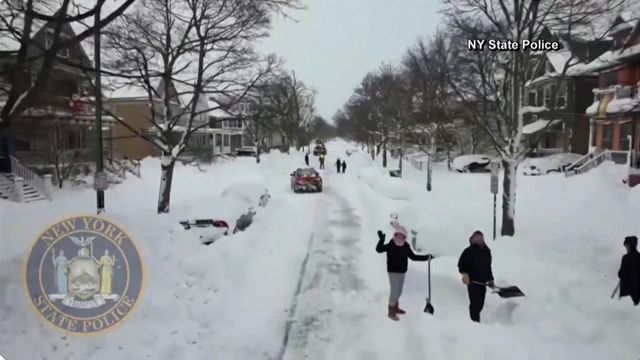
(304, 280)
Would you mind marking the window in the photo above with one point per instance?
(218, 139)
(552, 93)
(548, 68)
(48, 42)
(226, 140)
(625, 131)
(561, 98)
(539, 97)
(74, 139)
(532, 98)
(547, 96)
(607, 136)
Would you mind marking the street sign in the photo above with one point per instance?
(494, 183)
(495, 171)
(100, 181)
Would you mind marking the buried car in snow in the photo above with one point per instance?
(548, 164)
(472, 163)
(307, 179)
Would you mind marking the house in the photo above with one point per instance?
(132, 104)
(557, 94)
(56, 133)
(242, 117)
(615, 111)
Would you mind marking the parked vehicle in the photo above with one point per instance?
(548, 164)
(472, 164)
(320, 150)
(246, 151)
(307, 179)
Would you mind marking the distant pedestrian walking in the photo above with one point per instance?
(338, 164)
(629, 273)
(321, 158)
(344, 166)
(306, 159)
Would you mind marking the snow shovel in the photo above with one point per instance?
(429, 308)
(504, 292)
(615, 290)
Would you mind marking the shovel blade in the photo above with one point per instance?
(510, 292)
(429, 308)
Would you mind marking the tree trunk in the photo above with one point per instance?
(166, 176)
(384, 154)
(509, 197)
(401, 154)
(373, 152)
(429, 172)
(257, 154)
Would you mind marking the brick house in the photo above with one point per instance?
(557, 94)
(615, 111)
(56, 132)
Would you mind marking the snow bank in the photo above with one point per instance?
(390, 187)
(228, 299)
(542, 165)
(565, 258)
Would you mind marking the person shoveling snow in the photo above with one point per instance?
(475, 267)
(629, 273)
(244, 220)
(398, 252)
(264, 198)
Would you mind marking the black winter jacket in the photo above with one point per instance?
(397, 255)
(476, 261)
(629, 274)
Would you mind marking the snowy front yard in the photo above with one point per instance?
(307, 267)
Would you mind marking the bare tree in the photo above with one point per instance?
(182, 53)
(291, 104)
(26, 63)
(491, 84)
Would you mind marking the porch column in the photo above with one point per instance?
(591, 139)
(18, 186)
(48, 186)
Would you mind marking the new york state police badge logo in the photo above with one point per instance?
(84, 275)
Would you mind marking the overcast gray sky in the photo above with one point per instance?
(334, 43)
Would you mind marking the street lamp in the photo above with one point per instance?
(100, 179)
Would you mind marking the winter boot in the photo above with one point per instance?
(392, 313)
(398, 310)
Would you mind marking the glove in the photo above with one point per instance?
(381, 235)
(429, 257)
(491, 284)
(465, 279)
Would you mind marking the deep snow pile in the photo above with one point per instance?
(565, 257)
(228, 300)
(232, 300)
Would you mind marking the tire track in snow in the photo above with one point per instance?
(332, 276)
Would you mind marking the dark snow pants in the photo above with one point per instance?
(636, 299)
(477, 294)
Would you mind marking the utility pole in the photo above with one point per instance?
(100, 180)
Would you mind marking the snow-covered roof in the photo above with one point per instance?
(612, 58)
(538, 125)
(622, 105)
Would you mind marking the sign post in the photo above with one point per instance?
(495, 170)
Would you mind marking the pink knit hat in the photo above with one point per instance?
(400, 230)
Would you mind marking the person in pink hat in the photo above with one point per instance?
(398, 252)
